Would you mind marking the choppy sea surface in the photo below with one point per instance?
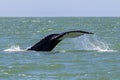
(88, 57)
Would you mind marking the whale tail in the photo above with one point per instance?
(49, 42)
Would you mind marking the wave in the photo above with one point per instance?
(91, 43)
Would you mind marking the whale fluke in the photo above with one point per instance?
(49, 42)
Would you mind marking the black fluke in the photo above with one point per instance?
(49, 42)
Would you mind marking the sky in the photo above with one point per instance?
(59, 8)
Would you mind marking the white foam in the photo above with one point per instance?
(13, 49)
(91, 43)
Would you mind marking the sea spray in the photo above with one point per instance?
(91, 43)
(85, 42)
(14, 48)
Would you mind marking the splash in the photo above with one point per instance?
(13, 49)
(91, 43)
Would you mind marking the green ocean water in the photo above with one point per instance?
(88, 57)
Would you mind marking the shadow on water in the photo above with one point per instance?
(48, 52)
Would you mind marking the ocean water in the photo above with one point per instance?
(88, 57)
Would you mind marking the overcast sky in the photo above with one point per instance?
(50, 8)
